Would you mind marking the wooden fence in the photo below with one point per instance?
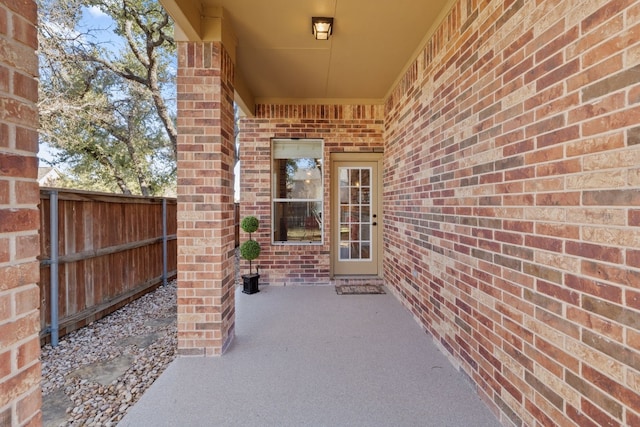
(109, 252)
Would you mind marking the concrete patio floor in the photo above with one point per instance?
(306, 356)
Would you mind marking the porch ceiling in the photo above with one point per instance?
(279, 61)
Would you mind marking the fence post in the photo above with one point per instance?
(53, 223)
(164, 241)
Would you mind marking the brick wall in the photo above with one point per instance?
(344, 128)
(206, 301)
(519, 248)
(20, 394)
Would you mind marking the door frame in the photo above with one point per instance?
(334, 204)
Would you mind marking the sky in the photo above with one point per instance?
(92, 17)
(95, 18)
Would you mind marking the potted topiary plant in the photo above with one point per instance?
(250, 250)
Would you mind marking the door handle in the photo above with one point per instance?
(374, 223)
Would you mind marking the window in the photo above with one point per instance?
(297, 191)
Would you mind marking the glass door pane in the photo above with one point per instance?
(355, 219)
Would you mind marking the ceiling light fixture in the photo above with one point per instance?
(321, 27)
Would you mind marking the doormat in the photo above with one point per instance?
(359, 289)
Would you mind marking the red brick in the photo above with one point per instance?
(594, 395)
(518, 200)
(611, 46)
(633, 419)
(544, 361)
(558, 75)
(596, 252)
(545, 391)
(3, 22)
(5, 360)
(19, 385)
(558, 199)
(600, 417)
(562, 357)
(561, 39)
(5, 254)
(19, 112)
(6, 300)
(603, 14)
(18, 166)
(579, 417)
(599, 71)
(521, 173)
(25, 9)
(546, 243)
(17, 25)
(592, 287)
(595, 145)
(559, 168)
(20, 329)
(611, 84)
(28, 352)
(633, 136)
(542, 156)
(597, 108)
(508, 385)
(610, 273)
(4, 81)
(27, 246)
(4, 129)
(545, 126)
(633, 299)
(519, 69)
(615, 312)
(611, 198)
(595, 323)
(546, 184)
(602, 124)
(27, 192)
(611, 348)
(618, 391)
(559, 136)
(27, 300)
(28, 408)
(558, 230)
(558, 292)
(549, 64)
(541, 418)
(25, 32)
(634, 95)
(14, 276)
(25, 87)
(19, 220)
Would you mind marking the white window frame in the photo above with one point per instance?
(275, 200)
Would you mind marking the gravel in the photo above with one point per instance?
(142, 337)
(143, 333)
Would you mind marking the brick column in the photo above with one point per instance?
(20, 394)
(206, 301)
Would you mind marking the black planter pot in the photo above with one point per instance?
(250, 283)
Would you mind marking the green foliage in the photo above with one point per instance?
(107, 107)
(250, 250)
(249, 224)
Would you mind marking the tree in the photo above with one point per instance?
(107, 103)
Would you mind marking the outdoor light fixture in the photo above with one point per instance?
(321, 27)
